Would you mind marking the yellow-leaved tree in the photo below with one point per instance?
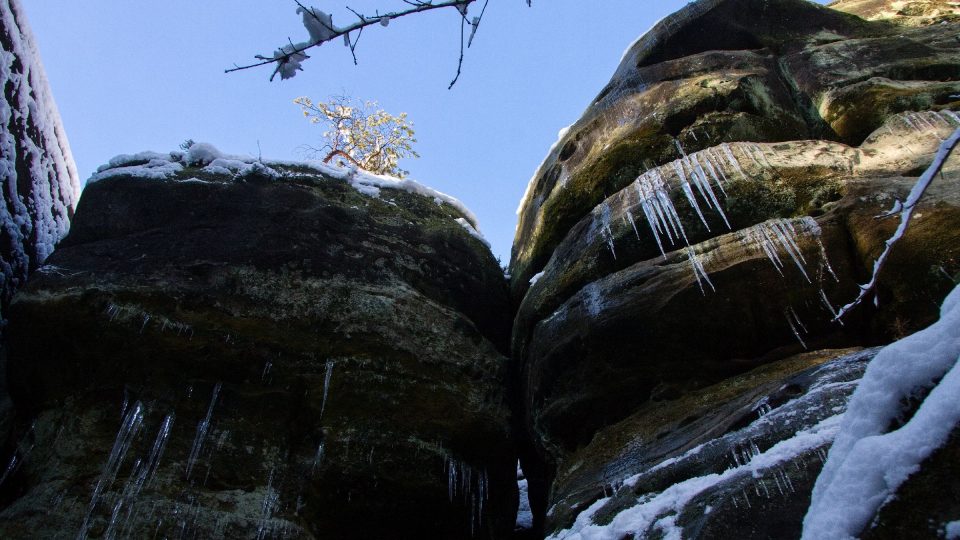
(361, 134)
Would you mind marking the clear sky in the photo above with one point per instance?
(131, 76)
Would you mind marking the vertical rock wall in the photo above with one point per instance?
(39, 178)
(704, 218)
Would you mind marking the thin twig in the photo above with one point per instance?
(460, 61)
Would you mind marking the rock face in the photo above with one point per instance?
(913, 13)
(733, 460)
(39, 177)
(260, 353)
(708, 215)
(37, 173)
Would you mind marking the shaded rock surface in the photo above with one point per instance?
(268, 354)
(935, 488)
(37, 172)
(713, 208)
(733, 460)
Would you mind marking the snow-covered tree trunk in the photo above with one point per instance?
(37, 172)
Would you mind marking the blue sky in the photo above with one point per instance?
(131, 76)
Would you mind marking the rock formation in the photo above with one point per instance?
(706, 216)
(224, 347)
(37, 172)
(40, 181)
(231, 349)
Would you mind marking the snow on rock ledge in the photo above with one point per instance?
(206, 159)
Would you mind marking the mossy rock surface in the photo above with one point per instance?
(347, 350)
(635, 284)
(910, 13)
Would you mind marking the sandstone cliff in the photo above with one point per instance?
(706, 216)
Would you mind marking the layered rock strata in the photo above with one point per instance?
(226, 349)
(713, 209)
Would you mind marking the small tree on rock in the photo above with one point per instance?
(360, 134)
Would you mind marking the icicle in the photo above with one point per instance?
(699, 271)
(787, 313)
(202, 428)
(326, 386)
(20, 454)
(632, 224)
(825, 261)
(906, 119)
(952, 116)
(317, 459)
(678, 166)
(706, 191)
(764, 486)
(143, 472)
(759, 237)
(787, 237)
(786, 478)
(605, 230)
(829, 306)
(732, 159)
(776, 480)
(763, 408)
(125, 404)
(267, 507)
(763, 155)
(128, 431)
(699, 179)
(715, 161)
(690, 197)
(648, 187)
(266, 371)
(748, 150)
(779, 234)
(159, 445)
(710, 168)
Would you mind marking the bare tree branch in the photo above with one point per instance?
(905, 210)
(285, 54)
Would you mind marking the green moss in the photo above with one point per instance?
(750, 201)
(861, 109)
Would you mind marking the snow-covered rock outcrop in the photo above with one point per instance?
(39, 178)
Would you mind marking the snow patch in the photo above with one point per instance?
(531, 185)
(867, 463)
(473, 231)
(157, 166)
(659, 511)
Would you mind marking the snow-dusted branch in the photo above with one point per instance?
(905, 209)
(319, 24)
